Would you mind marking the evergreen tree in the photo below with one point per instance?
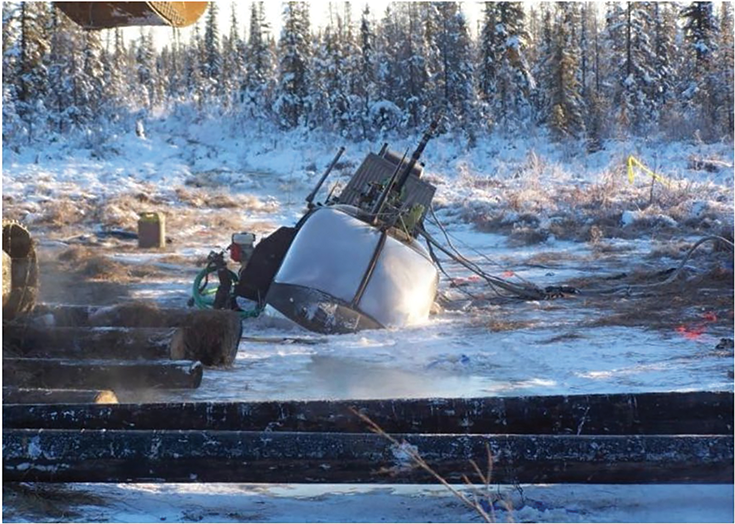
(699, 30)
(32, 80)
(726, 72)
(665, 67)
(637, 75)
(367, 89)
(233, 61)
(92, 80)
(259, 60)
(146, 68)
(212, 60)
(457, 73)
(544, 69)
(11, 121)
(292, 103)
(490, 50)
(566, 104)
(193, 68)
(385, 113)
(513, 80)
(700, 93)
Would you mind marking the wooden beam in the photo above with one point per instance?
(100, 374)
(241, 456)
(698, 413)
(57, 396)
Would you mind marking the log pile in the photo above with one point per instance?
(127, 347)
(626, 438)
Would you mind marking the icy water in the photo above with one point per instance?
(511, 348)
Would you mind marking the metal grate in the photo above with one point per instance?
(377, 169)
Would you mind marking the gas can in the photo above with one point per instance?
(152, 230)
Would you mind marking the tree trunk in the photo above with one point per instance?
(94, 374)
(89, 343)
(13, 395)
(209, 336)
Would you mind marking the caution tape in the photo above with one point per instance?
(634, 162)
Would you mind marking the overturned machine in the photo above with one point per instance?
(352, 262)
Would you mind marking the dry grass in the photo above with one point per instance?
(497, 325)
(89, 264)
(590, 212)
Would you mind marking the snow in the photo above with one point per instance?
(395, 503)
(512, 185)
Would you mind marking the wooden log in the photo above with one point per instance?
(135, 314)
(100, 343)
(101, 374)
(209, 336)
(697, 413)
(20, 246)
(13, 395)
(240, 456)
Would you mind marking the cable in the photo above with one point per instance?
(627, 289)
(528, 291)
(443, 271)
(476, 251)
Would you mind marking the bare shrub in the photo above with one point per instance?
(61, 212)
(479, 497)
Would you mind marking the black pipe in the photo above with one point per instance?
(378, 207)
(416, 155)
(312, 195)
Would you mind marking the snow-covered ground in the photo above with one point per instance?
(527, 209)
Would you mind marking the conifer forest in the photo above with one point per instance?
(585, 70)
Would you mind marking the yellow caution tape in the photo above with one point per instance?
(633, 161)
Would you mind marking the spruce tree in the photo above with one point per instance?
(725, 78)
(145, 65)
(32, 79)
(566, 104)
(366, 89)
(457, 69)
(212, 59)
(292, 102)
(259, 59)
(700, 94)
(513, 80)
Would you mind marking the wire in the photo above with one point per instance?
(674, 275)
(447, 236)
(443, 271)
(527, 291)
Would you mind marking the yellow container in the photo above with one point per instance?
(152, 230)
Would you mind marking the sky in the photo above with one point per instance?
(319, 17)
